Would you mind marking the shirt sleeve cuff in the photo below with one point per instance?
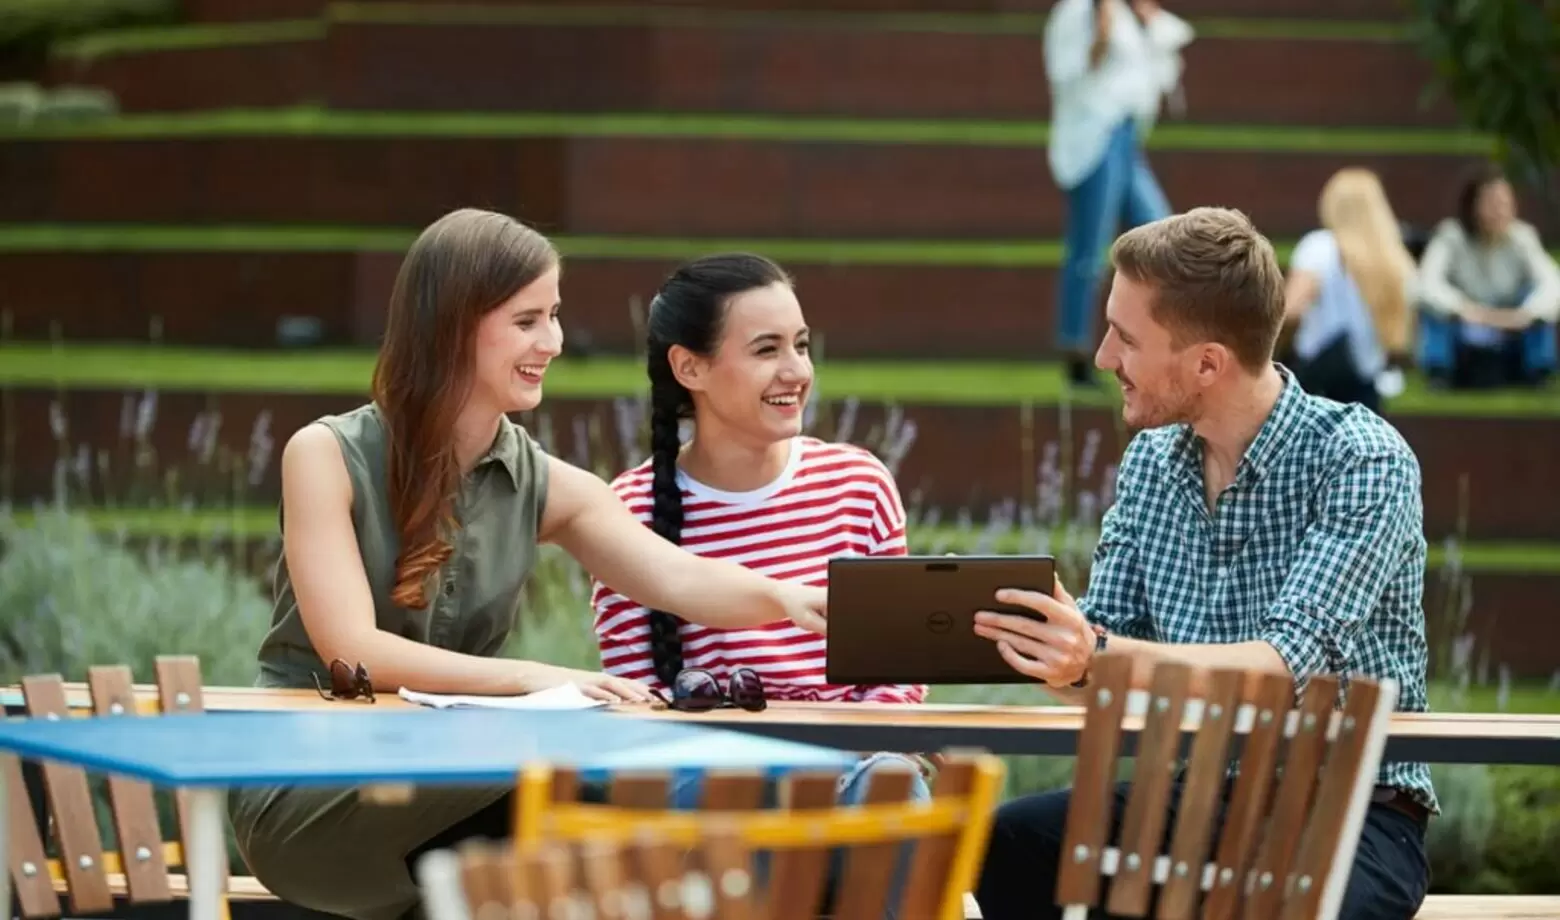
(1303, 653)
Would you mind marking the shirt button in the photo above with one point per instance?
(449, 589)
(1222, 572)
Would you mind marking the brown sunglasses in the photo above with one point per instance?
(347, 682)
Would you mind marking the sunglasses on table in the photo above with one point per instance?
(347, 682)
(697, 690)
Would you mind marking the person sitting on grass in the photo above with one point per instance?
(1491, 293)
(729, 350)
(410, 526)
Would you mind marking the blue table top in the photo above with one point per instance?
(437, 746)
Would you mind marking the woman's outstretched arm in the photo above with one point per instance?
(585, 517)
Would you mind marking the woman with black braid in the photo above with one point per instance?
(728, 351)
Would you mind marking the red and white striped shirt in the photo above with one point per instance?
(831, 500)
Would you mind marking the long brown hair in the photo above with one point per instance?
(461, 267)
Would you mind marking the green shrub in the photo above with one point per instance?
(72, 597)
(33, 24)
(1499, 64)
(1459, 839)
(1524, 855)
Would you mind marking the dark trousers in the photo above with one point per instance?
(1331, 374)
(1018, 879)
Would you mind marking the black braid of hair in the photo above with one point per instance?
(666, 405)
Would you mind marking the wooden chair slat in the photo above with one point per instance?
(640, 790)
(1199, 805)
(1272, 694)
(933, 859)
(131, 801)
(476, 879)
(551, 871)
(659, 867)
(729, 865)
(565, 784)
(864, 884)
(733, 791)
(1093, 793)
(29, 863)
(179, 693)
(797, 876)
(1319, 848)
(529, 884)
(70, 801)
(605, 878)
(1293, 799)
(179, 685)
(1148, 802)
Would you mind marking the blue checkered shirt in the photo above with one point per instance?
(1316, 548)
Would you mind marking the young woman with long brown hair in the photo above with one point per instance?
(410, 526)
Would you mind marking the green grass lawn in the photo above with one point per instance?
(259, 522)
(82, 366)
(312, 121)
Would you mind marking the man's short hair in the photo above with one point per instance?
(1215, 279)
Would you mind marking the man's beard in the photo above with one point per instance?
(1175, 405)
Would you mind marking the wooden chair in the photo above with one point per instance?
(1306, 774)
(803, 832)
(799, 837)
(76, 865)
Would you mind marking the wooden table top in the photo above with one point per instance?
(1452, 737)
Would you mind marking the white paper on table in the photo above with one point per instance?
(564, 696)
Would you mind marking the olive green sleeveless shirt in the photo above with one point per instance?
(474, 600)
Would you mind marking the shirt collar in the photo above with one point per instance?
(505, 450)
(1271, 440)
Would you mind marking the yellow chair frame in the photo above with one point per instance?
(964, 817)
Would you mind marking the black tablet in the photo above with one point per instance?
(910, 619)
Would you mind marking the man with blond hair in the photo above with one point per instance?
(1255, 526)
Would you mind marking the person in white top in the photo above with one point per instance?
(1491, 293)
(1349, 292)
(1109, 64)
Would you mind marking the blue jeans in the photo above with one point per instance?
(852, 791)
(1527, 355)
(1120, 194)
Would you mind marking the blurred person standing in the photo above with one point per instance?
(1109, 64)
(1491, 293)
(1349, 293)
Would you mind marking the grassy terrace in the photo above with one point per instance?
(217, 35)
(311, 121)
(119, 237)
(109, 237)
(83, 366)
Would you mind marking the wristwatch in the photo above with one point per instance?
(1099, 646)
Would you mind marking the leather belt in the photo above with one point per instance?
(1400, 802)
